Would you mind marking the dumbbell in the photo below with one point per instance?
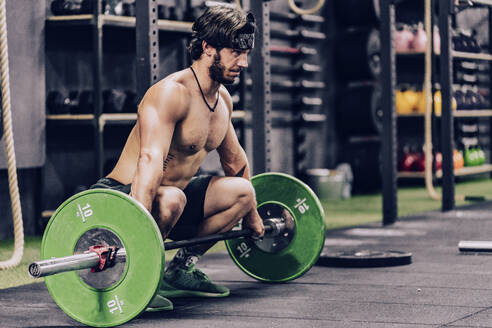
(59, 103)
(113, 101)
(71, 7)
(167, 12)
(472, 99)
(131, 102)
(54, 102)
(460, 99)
(129, 9)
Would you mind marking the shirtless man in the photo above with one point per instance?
(180, 120)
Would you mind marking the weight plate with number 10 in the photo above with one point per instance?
(119, 293)
(297, 248)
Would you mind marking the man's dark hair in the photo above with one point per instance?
(222, 27)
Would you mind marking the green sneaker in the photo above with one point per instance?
(180, 282)
(159, 303)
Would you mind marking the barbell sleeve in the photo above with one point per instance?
(91, 259)
(63, 264)
(70, 263)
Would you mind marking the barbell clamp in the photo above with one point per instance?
(106, 256)
(277, 226)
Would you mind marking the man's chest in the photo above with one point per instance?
(202, 129)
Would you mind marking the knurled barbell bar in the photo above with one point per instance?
(103, 254)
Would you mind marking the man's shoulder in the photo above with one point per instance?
(172, 90)
(174, 83)
(224, 93)
(169, 92)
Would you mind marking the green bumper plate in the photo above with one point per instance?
(306, 245)
(137, 230)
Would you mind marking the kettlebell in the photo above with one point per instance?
(438, 161)
(419, 39)
(458, 161)
(406, 101)
(403, 39)
(470, 156)
(481, 156)
(407, 163)
(437, 103)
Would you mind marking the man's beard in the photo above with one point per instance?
(217, 71)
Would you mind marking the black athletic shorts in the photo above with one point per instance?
(187, 225)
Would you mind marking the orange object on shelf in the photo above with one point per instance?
(458, 160)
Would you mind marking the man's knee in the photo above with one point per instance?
(245, 193)
(171, 202)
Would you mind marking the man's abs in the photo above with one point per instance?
(178, 167)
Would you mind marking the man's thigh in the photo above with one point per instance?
(193, 213)
(223, 193)
(206, 196)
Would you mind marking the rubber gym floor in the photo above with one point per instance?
(441, 288)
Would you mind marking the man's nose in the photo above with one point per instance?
(243, 61)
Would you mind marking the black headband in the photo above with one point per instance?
(244, 39)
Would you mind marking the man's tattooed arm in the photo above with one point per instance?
(168, 159)
(240, 173)
(238, 169)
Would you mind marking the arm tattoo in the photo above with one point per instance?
(167, 160)
(240, 173)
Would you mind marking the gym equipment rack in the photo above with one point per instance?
(388, 78)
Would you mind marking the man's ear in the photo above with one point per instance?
(208, 49)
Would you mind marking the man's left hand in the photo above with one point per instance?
(254, 222)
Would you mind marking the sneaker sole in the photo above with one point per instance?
(169, 291)
(157, 309)
(159, 303)
(190, 293)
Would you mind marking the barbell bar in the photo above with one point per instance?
(115, 294)
(91, 259)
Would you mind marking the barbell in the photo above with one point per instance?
(103, 254)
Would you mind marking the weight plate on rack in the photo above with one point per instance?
(290, 258)
(364, 259)
(123, 220)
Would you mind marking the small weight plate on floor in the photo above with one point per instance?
(364, 258)
(104, 216)
(282, 259)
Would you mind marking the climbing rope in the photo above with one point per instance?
(428, 108)
(9, 146)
